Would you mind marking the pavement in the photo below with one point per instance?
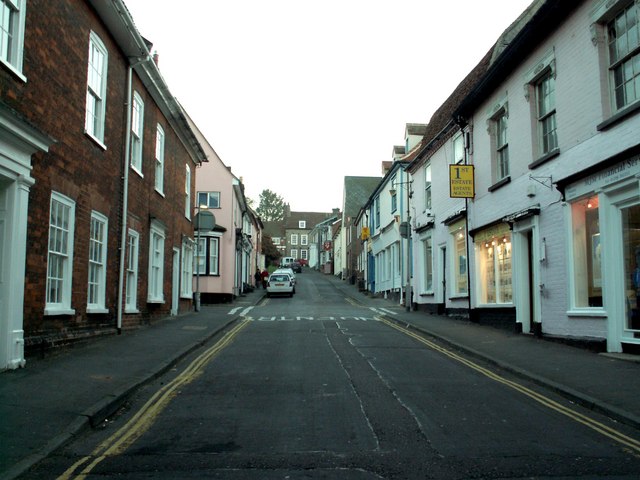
(54, 399)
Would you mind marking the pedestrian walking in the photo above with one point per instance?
(258, 277)
(265, 277)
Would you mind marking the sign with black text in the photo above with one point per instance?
(461, 181)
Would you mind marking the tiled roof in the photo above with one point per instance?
(356, 193)
(311, 219)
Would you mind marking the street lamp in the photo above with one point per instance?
(405, 232)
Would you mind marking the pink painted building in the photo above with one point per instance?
(228, 255)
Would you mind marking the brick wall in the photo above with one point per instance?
(56, 47)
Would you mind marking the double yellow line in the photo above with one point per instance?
(145, 417)
(631, 443)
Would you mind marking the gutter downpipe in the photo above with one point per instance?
(462, 124)
(125, 200)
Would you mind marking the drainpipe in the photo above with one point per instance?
(125, 201)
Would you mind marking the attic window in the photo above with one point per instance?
(302, 224)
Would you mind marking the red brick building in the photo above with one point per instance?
(97, 178)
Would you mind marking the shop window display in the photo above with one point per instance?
(587, 250)
(495, 269)
(631, 246)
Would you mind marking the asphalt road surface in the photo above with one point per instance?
(319, 386)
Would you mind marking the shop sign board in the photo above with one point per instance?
(461, 181)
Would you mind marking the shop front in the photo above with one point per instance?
(604, 249)
(493, 280)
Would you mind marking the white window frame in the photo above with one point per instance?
(294, 253)
(156, 263)
(494, 269)
(580, 248)
(97, 69)
(501, 150)
(427, 188)
(460, 282)
(187, 192)
(535, 79)
(304, 254)
(302, 224)
(186, 280)
(546, 114)
(304, 239)
(294, 239)
(97, 268)
(200, 257)
(624, 61)
(457, 145)
(60, 250)
(12, 38)
(427, 264)
(160, 139)
(209, 199)
(137, 132)
(133, 254)
(214, 256)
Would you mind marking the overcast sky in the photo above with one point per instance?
(294, 95)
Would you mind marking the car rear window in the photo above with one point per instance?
(279, 278)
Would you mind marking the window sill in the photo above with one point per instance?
(155, 300)
(499, 184)
(14, 71)
(137, 171)
(97, 310)
(619, 116)
(131, 311)
(161, 193)
(427, 294)
(593, 313)
(544, 159)
(495, 305)
(59, 311)
(96, 140)
(187, 296)
(462, 296)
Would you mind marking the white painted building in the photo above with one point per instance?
(550, 123)
(388, 253)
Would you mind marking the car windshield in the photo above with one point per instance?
(279, 278)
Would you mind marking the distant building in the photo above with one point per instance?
(297, 227)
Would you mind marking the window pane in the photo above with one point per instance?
(631, 245)
(460, 262)
(587, 276)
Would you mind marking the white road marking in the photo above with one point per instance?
(244, 312)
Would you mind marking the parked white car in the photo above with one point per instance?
(288, 271)
(280, 284)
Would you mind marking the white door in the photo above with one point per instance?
(175, 282)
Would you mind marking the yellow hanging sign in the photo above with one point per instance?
(461, 181)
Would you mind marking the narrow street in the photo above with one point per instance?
(318, 386)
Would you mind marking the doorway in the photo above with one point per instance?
(443, 279)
